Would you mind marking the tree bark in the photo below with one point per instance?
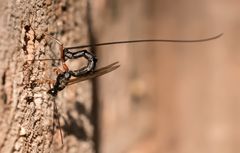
(27, 115)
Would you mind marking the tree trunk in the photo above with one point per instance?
(27, 112)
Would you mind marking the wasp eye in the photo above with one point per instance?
(52, 92)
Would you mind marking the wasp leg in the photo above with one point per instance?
(58, 71)
(47, 81)
(82, 53)
(57, 116)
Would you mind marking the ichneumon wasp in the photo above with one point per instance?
(64, 78)
(67, 76)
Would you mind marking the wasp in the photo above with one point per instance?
(69, 77)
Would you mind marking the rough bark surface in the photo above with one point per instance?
(27, 120)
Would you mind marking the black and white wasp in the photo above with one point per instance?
(67, 77)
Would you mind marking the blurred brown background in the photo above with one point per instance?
(169, 97)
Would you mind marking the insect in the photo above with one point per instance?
(67, 77)
(64, 78)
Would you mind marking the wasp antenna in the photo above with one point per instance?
(46, 59)
(147, 40)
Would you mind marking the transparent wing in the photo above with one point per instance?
(96, 73)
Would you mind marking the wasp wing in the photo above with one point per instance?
(95, 73)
